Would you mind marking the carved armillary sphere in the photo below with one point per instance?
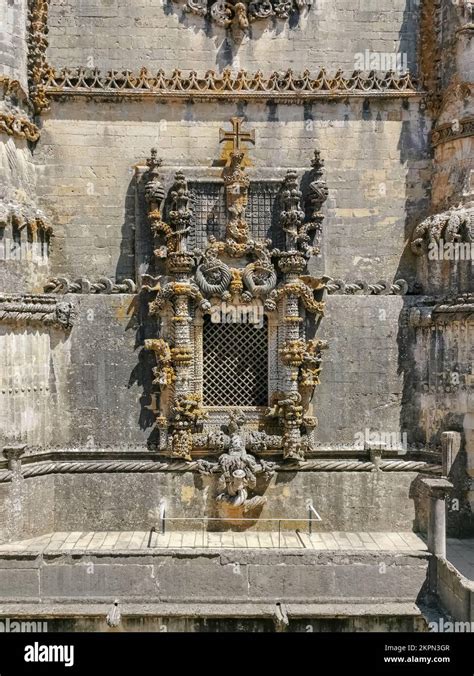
(234, 13)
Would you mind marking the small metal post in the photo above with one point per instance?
(162, 517)
(279, 533)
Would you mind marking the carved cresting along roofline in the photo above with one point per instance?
(46, 82)
(286, 87)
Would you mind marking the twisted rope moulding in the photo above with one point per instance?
(146, 466)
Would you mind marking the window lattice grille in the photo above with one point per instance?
(263, 212)
(235, 371)
(210, 215)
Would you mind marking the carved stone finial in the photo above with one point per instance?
(153, 162)
(154, 191)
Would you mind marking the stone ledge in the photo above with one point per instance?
(338, 609)
(216, 577)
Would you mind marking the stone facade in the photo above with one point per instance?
(160, 160)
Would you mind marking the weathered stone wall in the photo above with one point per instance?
(117, 34)
(13, 46)
(93, 382)
(346, 501)
(376, 157)
(33, 380)
(211, 577)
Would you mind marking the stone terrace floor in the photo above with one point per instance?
(459, 552)
(146, 541)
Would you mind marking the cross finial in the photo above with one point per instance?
(237, 136)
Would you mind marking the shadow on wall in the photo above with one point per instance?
(125, 268)
(414, 151)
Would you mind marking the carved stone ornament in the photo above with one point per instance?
(240, 14)
(237, 472)
(36, 309)
(46, 82)
(235, 272)
(453, 226)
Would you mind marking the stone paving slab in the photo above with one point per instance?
(143, 540)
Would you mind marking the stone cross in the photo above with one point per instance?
(237, 136)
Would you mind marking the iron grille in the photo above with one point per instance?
(210, 215)
(235, 370)
(263, 212)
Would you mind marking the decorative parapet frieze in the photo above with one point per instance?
(453, 131)
(287, 87)
(17, 309)
(105, 285)
(46, 82)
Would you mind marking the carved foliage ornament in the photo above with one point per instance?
(20, 127)
(234, 13)
(453, 226)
